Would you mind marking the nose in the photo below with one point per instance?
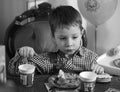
(69, 42)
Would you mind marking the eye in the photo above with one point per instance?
(75, 37)
(62, 38)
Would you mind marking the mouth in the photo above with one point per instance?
(69, 50)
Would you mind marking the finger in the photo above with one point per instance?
(21, 52)
(96, 68)
(93, 70)
(31, 53)
(27, 52)
(101, 71)
(93, 67)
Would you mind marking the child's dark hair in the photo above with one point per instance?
(64, 16)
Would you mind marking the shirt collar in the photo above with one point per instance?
(79, 52)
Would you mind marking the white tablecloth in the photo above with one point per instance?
(107, 62)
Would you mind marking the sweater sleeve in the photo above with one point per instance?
(42, 62)
(94, 59)
(15, 62)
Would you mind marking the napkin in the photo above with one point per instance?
(55, 89)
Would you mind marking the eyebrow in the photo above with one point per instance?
(72, 35)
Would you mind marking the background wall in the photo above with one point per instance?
(107, 33)
(8, 10)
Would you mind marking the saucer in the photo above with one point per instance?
(104, 78)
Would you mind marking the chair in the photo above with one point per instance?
(32, 29)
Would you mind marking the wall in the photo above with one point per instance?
(9, 9)
(108, 34)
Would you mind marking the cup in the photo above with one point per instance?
(26, 74)
(88, 80)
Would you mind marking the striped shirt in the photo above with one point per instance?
(51, 62)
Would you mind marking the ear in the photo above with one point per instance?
(81, 42)
(82, 31)
(84, 38)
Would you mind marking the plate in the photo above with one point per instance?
(104, 78)
(71, 82)
(116, 62)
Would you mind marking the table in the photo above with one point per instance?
(38, 85)
(41, 79)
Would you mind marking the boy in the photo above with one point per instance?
(66, 29)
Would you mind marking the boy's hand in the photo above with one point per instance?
(97, 69)
(26, 51)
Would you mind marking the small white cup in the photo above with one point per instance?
(88, 79)
(26, 74)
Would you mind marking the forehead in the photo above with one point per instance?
(69, 30)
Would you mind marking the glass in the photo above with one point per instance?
(88, 80)
(26, 74)
(87, 86)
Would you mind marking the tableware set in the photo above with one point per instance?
(83, 82)
(64, 82)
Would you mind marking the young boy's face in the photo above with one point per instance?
(68, 39)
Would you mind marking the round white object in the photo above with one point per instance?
(88, 76)
(26, 68)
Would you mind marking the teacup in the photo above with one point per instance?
(26, 74)
(88, 79)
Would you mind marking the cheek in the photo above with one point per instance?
(61, 43)
(58, 42)
(78, 41)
